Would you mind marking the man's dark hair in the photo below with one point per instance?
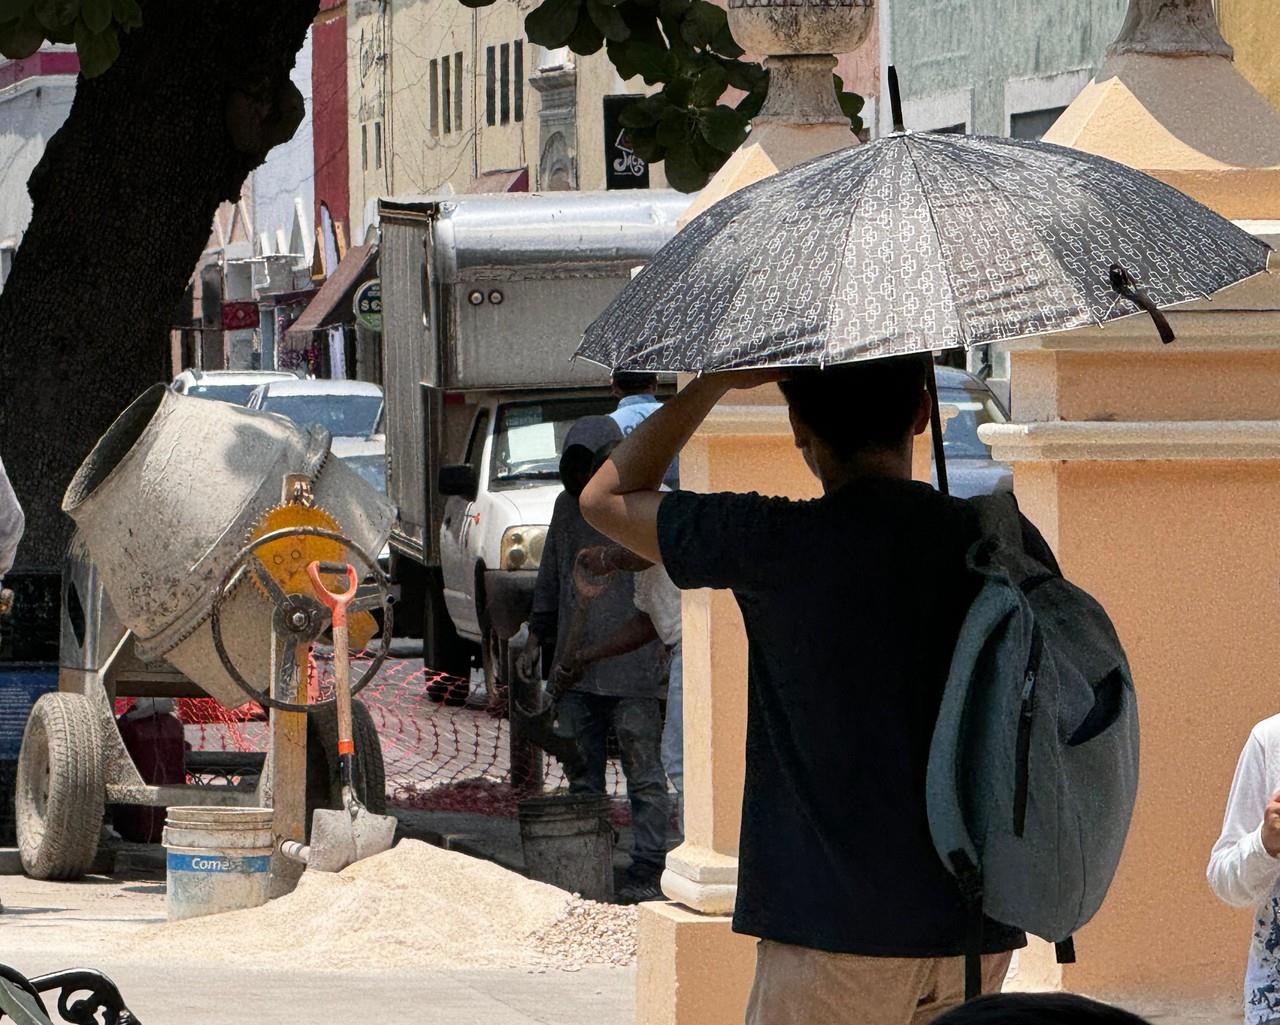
(632, 382)
(1037, 1009)
(858, 407)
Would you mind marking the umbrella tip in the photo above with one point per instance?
(895, 100)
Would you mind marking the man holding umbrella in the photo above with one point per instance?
(852, 605)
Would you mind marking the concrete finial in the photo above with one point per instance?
(1172, 28)
(799, 40)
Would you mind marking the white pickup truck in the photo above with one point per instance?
(484, 300)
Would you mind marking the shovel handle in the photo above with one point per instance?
(339, 602)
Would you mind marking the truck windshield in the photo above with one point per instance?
(960, 439)
(529, 437)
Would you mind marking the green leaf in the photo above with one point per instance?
(645, 142)
(56, 14)
(723, 127)
(673, 129)
(96, 14)
(97, 50)
(750, 105)
(707, 156)
(12, 10)
(709, 87)
(703, 22)
(586, 39)
(644, 113)
(17, 41)
(608, 20)
(553, 22)
(682, 170)
(725, 45)
(127, 13)
(652, 63)
(745, 76)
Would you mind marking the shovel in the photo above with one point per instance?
(540, 725)
(341, 838)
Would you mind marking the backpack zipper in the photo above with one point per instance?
(1023, 771)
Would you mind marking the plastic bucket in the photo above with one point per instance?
(217, 859)
(568, 842)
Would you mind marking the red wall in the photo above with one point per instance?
(329, 111)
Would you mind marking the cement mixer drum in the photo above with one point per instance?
(164, 503)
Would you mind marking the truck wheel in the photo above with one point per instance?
(60, 790)
(369, 778)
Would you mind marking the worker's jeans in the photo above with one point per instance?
(638, 724)
(673, 732)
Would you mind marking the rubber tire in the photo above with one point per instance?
(59, 829)
(324, 788)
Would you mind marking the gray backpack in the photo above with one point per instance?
(1033, 768)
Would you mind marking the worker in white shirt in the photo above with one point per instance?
(12, 524)
(1244, 868)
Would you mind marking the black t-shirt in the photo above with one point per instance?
(852, 605)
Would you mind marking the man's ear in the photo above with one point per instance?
(799, 429)
(923, 413)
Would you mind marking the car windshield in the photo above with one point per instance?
(960, 438)
(372, 468)
(530, 436)
(237, 394)
(344, 416)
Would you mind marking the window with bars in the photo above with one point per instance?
(517, 80)
(457, 91)
(446, 95)
(433, 106)
(504, 83)
(377, 145)
(490, 87)
(364, 147)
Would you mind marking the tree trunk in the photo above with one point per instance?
(122, 206)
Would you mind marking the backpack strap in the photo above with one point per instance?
(969, 879)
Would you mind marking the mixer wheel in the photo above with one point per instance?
(60, 788)
(323, 787)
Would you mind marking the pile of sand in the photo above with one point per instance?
(414, 905)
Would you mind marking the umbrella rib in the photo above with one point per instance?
(835, 277)
(946, 267)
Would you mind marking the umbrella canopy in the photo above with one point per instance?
(917, 242)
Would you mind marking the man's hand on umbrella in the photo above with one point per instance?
(745, 380)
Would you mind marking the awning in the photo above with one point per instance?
(501, 181)
(332, 303)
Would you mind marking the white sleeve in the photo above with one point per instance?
(1240, 871)
(12, 523)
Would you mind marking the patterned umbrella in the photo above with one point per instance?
(917, 242)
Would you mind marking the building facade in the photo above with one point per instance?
(35, 98)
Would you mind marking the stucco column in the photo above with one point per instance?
(693, 970)
(1154, 472)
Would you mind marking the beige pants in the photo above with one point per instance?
(800, 986)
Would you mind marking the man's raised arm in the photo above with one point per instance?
(622, 499)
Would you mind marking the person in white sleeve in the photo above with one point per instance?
(12, 525)
(1244, 867)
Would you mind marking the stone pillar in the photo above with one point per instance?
(693, 970)
(1154, 472)
(556, 81)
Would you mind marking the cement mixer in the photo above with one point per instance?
(196, 521)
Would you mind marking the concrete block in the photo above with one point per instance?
(692, 969)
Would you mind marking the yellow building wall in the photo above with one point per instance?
(1252, 27)
(391, 50)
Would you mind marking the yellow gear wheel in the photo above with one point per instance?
(287, 559)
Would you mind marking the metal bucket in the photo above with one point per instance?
(167, 499)
(568, 842)
(216, 859)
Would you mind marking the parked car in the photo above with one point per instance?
(234, 386)
(970, 468)
(346, 409)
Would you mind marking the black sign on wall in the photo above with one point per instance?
(622, 168)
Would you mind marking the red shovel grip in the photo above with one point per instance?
(336, 601)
